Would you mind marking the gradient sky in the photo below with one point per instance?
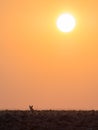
(41, 66)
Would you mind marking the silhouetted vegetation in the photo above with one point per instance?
(48, 120)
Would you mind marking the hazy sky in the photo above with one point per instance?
(41, 66)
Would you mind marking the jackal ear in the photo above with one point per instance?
(30, 106)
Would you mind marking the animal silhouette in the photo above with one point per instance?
(31, 108)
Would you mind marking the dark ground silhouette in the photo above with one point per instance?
(48, 120)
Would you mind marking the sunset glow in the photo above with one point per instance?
(42, 66)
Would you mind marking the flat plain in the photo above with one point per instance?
(48, 120)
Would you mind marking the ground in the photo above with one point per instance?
(48, 120)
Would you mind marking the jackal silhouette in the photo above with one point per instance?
(31, 108)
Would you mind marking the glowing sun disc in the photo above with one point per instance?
(66, 22)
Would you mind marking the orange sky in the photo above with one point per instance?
(41, 66)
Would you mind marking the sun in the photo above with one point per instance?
(66, 22)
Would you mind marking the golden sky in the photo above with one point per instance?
(41, 66)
